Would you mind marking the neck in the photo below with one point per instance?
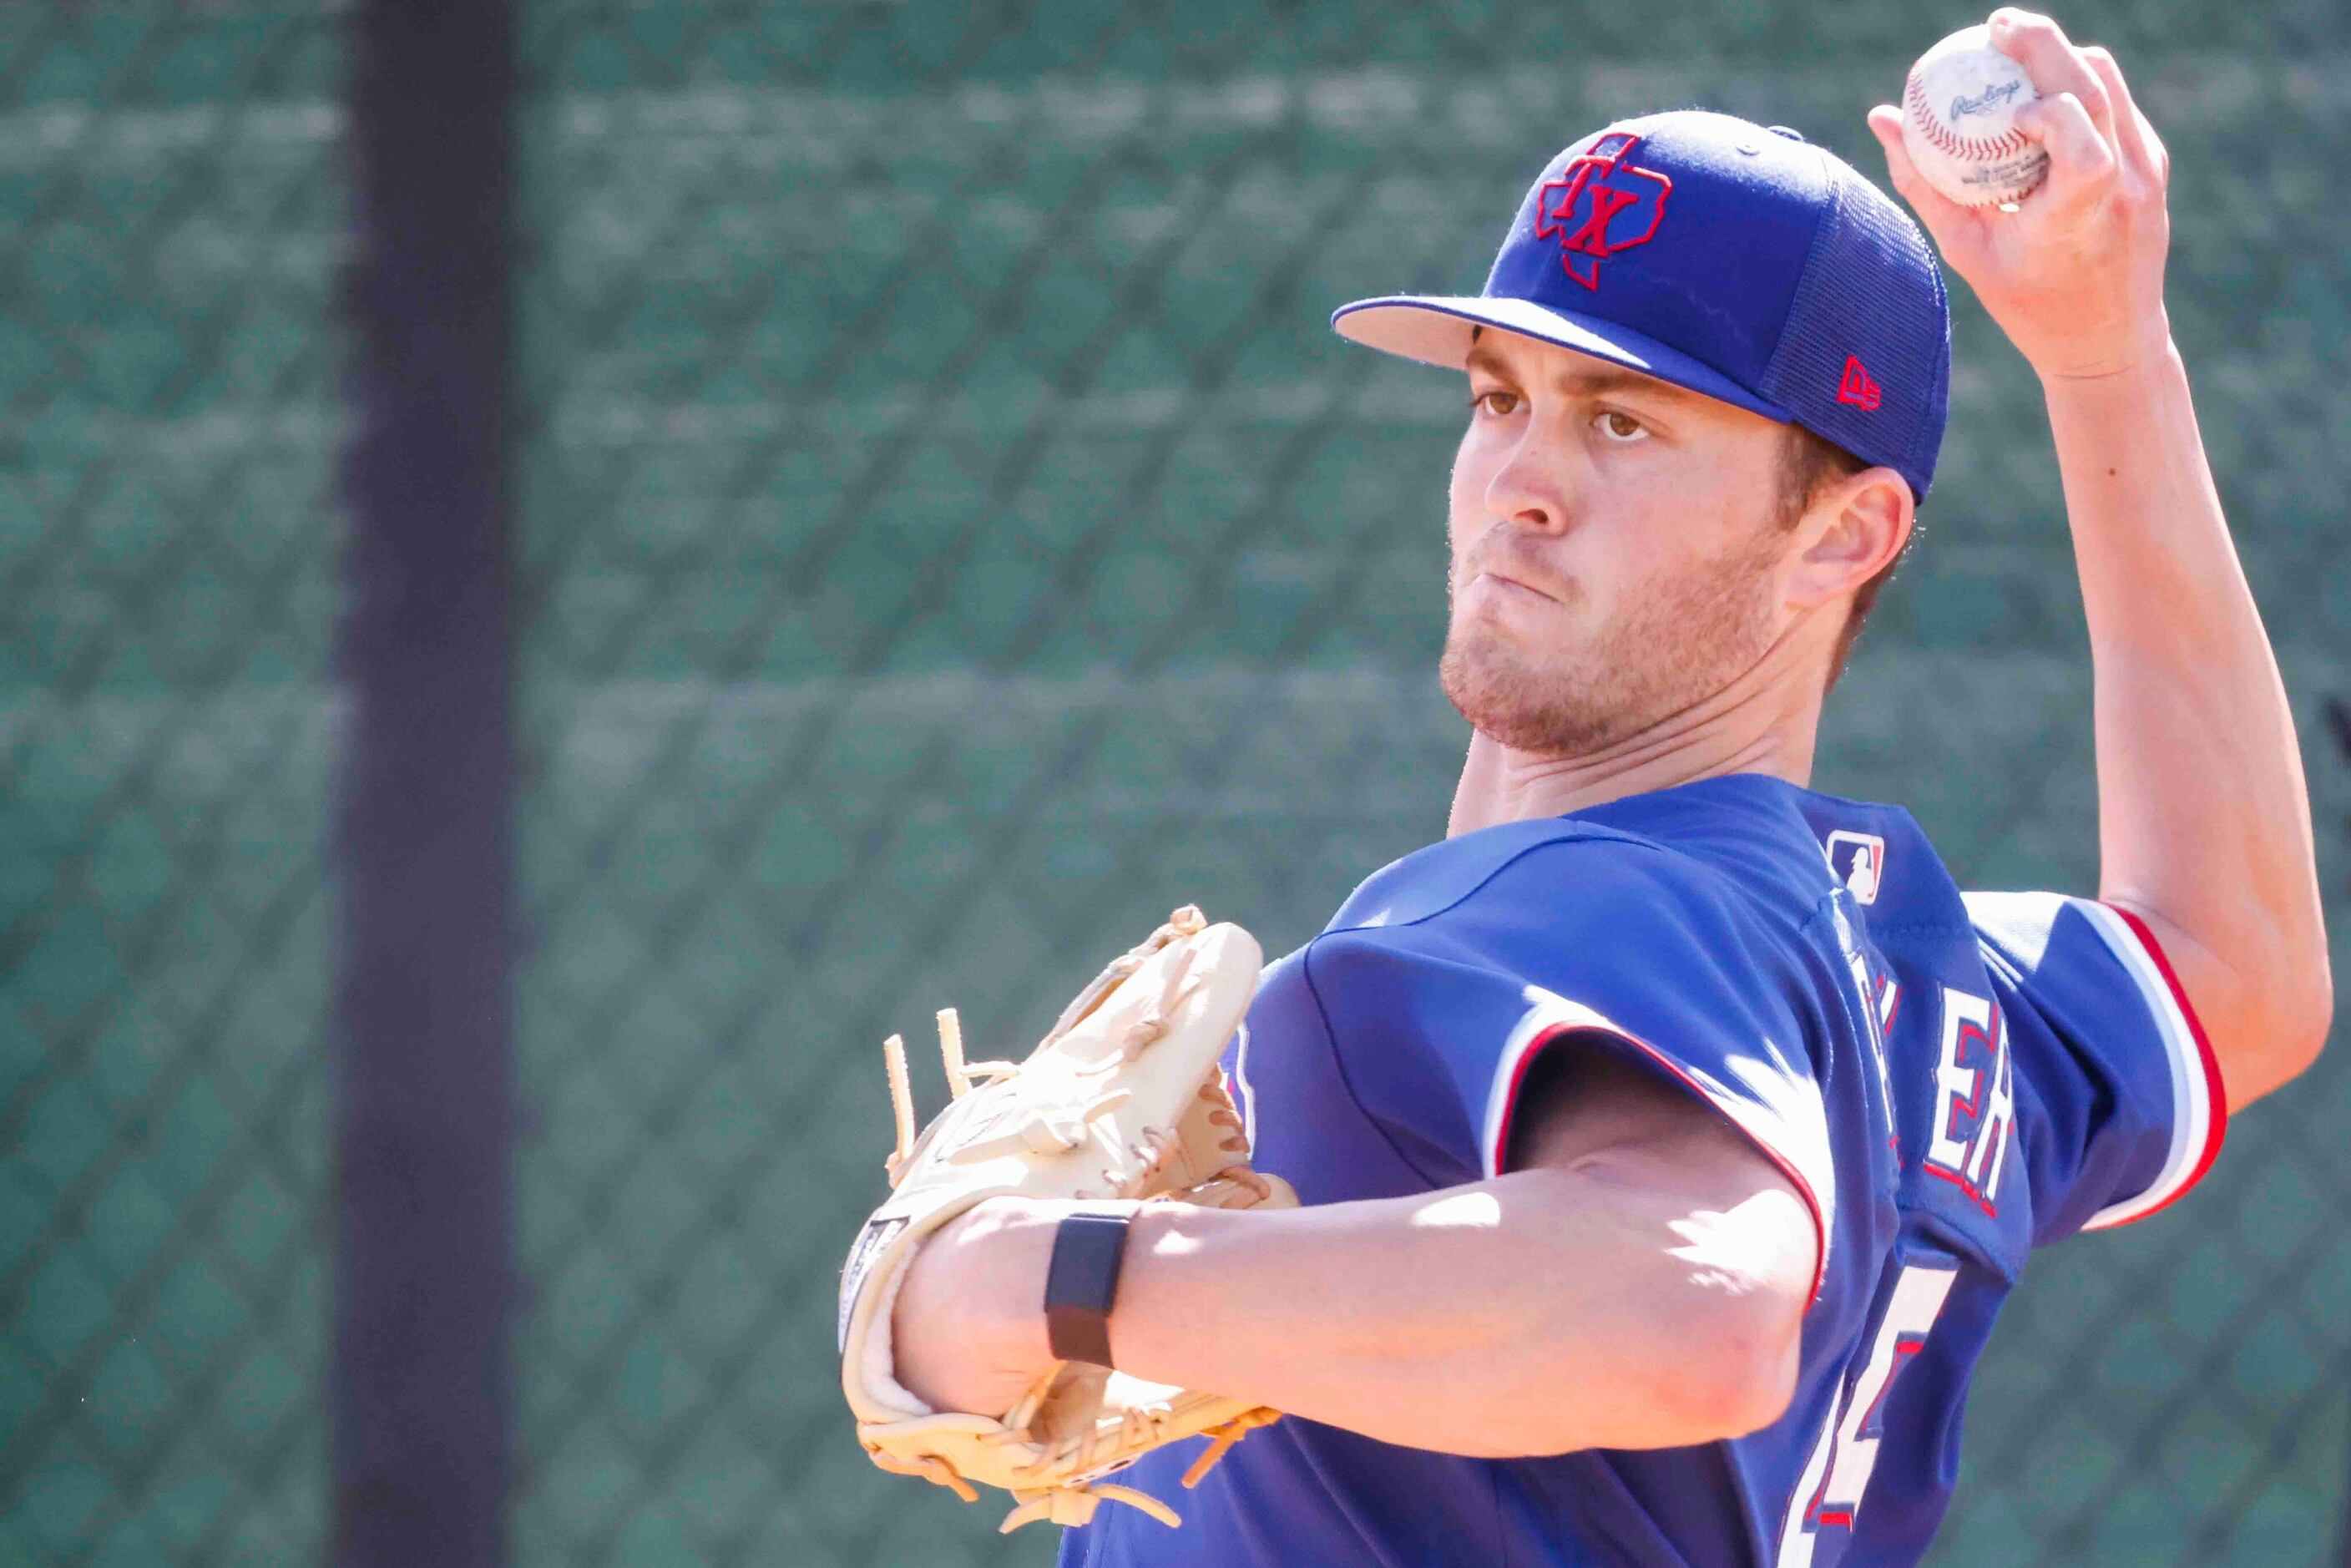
(1763, 722)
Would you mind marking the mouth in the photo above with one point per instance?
(1510, 584)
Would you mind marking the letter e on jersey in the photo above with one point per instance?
(1975, 1100)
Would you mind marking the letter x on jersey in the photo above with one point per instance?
(1599, 205)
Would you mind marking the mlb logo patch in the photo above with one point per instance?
(1859, 861)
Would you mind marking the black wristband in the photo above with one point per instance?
(1081, 1283)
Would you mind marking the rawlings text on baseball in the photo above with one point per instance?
(1958, 114)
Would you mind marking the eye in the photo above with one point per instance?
(1617, 427)
(1496, 404)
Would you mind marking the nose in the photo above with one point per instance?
(1528, 490)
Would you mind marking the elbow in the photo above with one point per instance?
(2264, 997)
(2303, 982)
(2286, 1030)
(1751, 1365)
(1732, 1372)
(1737, 1347)
(2314, 1020)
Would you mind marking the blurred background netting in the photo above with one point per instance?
(171, 233)
(949, 536)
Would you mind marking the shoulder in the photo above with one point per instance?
(1571, 907)
(1534, 927)
(1493, 924)
(1553, 867)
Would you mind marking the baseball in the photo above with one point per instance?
(1958, 114)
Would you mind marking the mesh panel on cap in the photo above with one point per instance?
(1872, 292)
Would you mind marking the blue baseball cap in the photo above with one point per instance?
(1735, 259)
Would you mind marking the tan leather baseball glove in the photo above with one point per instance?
(1124, 1099)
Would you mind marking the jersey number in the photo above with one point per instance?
(1829, 1494)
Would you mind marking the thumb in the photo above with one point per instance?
(1944, 219)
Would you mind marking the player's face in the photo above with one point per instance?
(1616, 545)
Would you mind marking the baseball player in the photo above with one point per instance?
(1670, 1135)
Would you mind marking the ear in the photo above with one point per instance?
(1848, 535)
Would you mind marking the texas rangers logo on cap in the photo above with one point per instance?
(1601, 204)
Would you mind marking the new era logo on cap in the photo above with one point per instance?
(1857, 387)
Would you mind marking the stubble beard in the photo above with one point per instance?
(1674, 643)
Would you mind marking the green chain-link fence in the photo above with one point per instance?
(952, 535)
(948, 535)
(170, 225)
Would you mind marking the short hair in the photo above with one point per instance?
(1807, 463)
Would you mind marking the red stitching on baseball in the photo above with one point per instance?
(1981, 148)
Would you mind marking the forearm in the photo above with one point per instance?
(2204, 821)
(1539, 1313)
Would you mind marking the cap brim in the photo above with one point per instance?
(1437, 328)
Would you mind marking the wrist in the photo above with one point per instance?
(1162, 1307)
(2152, 351)
(2094, 418)
(1082, 1280)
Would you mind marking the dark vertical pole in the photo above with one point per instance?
(2343, 1540)
(425, 1093)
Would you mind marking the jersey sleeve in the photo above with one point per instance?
(1437, 1024)
(2128, 1107)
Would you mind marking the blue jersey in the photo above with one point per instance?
(1950, 1079)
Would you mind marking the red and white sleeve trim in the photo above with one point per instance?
(1781, 1113)
(2199, 1109)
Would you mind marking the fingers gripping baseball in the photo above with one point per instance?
(2039, 44)
(2079, 155)
(2072, 270)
